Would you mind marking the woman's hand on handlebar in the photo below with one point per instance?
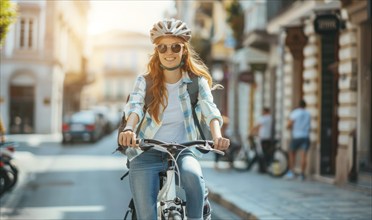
(128, 138)
(221, 143)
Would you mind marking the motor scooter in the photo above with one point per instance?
(8, 169)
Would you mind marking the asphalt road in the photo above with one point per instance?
(79, 181)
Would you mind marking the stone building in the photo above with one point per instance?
(43, 55)
(117, 58)
(325, 61)
(211, 38)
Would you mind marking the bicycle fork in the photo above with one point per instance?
(170, 206)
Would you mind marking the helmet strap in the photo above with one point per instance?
(172, 68)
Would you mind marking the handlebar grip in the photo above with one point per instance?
(137, 142)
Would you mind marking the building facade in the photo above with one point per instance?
(212, 39)
(355, 83)
(290, 53)
(117, 58)
(250, 69)
(43, 48)
(322, 57)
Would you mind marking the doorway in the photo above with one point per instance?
(21, 112)
(365, 98)
(329, 104)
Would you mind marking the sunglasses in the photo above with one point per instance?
(176, 47)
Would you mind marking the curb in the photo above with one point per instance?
(243, 214)
(34, 139)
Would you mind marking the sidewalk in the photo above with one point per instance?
(34, 139)
(257, 196)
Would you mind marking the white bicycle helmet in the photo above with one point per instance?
(170, 27)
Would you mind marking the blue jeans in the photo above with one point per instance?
(144, 183)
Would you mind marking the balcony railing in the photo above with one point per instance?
(256, 17)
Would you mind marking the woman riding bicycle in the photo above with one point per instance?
(169, 118)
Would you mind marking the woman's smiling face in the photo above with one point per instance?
(170, 51)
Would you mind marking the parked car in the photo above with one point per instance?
(83, 126)
(110, 118)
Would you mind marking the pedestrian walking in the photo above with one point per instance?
(233, 146)
(262, 129)
(299, 124)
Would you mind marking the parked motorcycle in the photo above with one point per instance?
(8, 169)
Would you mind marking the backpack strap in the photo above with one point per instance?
(193, 90)
(149, 96)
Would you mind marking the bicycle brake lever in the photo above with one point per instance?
(206, 148)
(117, 149)
(214, 150)
(218, 152)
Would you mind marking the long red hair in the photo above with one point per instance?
(193, 65)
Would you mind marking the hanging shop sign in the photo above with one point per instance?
(326, 24)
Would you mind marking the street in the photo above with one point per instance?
(295, 74)
(78, 181)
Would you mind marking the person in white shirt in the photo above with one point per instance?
(263, 130)
(299, 123)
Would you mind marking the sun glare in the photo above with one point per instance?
(136, 16)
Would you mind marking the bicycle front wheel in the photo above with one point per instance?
(279, 164)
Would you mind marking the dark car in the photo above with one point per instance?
(82, 126)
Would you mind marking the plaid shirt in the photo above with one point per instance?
(205, 107)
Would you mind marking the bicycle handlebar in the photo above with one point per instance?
(203, 145)
(187, 144)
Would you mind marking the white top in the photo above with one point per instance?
(265, 128)
(173, 127)
(301, 123)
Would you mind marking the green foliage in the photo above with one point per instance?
(235, 18)
(8, 13)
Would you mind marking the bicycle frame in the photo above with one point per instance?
(170, 204)
(273, 159)
(245, 156)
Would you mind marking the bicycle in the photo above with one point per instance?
(272, 160)
(171, 203)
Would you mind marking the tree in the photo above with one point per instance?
(8, 13)
(235, 18)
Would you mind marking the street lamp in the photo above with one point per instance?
(217, 73)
